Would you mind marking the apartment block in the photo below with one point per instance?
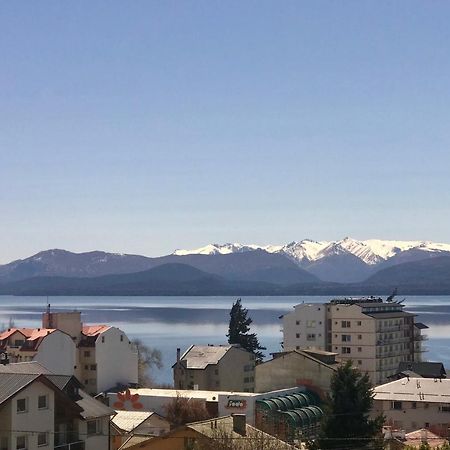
(215, 367)
(100, 356)
(376, 335)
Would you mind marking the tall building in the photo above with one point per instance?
(376, 335)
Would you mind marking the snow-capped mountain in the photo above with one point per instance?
(345, 260)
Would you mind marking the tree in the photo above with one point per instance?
(346, 421)
(148, 358)
(238, 331)
(181, 410)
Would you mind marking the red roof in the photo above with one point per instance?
(94, 330)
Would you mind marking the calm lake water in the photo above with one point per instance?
(170, 322)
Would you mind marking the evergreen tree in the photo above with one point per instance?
(346, 422)
(238, 331)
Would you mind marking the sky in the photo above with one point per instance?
(146, 126)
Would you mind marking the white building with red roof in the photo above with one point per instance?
(100, 356)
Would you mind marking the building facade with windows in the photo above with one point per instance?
(374, 334)
(215, 367)
(47, 411)
(412, 403)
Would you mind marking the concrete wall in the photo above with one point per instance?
(57, 352)
(410, 418)
(116, 359)
(293, 369)
(68, 322)
(37, 420)
(305, 327)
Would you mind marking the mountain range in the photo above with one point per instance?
(307, 266)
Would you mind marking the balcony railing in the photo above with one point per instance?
(72, 446)
(420, 337)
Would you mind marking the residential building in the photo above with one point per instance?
(207, 367)
(141, 423)
(312, 369)
(376, 335)
(43, 410)
(413, 403)
(204, 435)
(100, 356)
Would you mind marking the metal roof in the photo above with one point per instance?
(30, 367)
(201, 356)
(129, 420)
(424, 369)
(93, 408)
(12, 383)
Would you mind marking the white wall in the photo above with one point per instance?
(306, 319)
(116, 360)
(37, 420)
(98, 441)
(57, 352)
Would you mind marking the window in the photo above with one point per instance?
(93, 366)
(93, 427)
(21, 442)
(18, 342)
(396, 405)
(310, 337)
(358, 323)
(121, 338)
(87, 353)
(359, 349)
(414, 405)
(346, 338)
(359, 362)
(216, 371)
(42, 402)
(445, 407)
(345, 324)
(21, 405)
(42, 439)
(86, 366)
(346, 350)
(297, 322)
(359, 336)
(103, 339)
(310, 323)
(297, 335)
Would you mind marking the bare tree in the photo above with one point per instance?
(148, 359)
(182, 410)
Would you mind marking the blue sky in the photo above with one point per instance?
(146, 126)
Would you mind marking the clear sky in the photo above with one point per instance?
(146, 126)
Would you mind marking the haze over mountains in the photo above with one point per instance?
(298, 267)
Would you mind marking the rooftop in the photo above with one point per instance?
(129, 420)
(201, 356)
(94, 330)
(428, 390)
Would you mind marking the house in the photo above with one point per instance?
(312, 368)
(50, 409)
(420, 369)
(53, 348)
(414, 403)
(100, 356)
(376, 335)
(210, 434)
(207, 367)
(142, 423)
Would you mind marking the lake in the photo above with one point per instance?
(166, 323)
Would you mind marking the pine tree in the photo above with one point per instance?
(346, 421)
(238, 331)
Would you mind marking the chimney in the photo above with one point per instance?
(239, 424)
(178, 355)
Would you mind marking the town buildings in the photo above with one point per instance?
(376, 335)
(207, 367)
(215, 433)
(44, 410)
(100, 356)
(413, 403)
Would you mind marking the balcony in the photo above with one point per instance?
(72, 446)
(420, 337)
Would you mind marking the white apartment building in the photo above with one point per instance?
(100, 356)
(374, 334)
(304, 328)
